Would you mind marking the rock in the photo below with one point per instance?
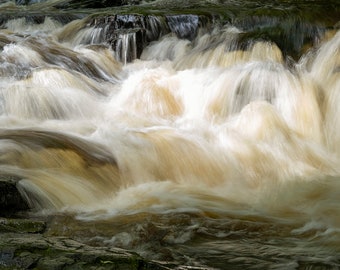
(26, 251)
(62, 18)
(21, 225)
(128, 44)
(129, 34)
(74, 4)
(26, 2)
(290, 34)
(184, 26)
(11, 200)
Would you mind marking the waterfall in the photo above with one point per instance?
(158, 103)
(129, 35)
(177, 131)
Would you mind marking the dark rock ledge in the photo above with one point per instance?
(10, 198)
(34, 251)
(23, 244)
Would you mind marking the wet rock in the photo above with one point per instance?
(291, 34)
(21, 225)
(129, 34)
(83, 3)
(11, 200)
(111, 24)
(36, 251)
(92, 4)
(184, 26)
(37, 18)
(26, 2)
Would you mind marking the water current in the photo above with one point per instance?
(201, 139)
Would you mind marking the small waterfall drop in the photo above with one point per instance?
(177, 131)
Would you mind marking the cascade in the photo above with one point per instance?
(201, 133)
(183, 26)
(130, 34)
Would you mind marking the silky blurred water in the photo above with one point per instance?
(216, 150)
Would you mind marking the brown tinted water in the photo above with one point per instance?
(215, 144)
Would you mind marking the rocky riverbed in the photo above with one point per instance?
(24, 245)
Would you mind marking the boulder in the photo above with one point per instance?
(11, 200)
(28, 251)
(129, 34)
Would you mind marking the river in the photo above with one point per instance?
(201, 133)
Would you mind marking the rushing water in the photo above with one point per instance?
(202, 148)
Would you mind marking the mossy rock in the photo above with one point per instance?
(27, 251)
(21, 225)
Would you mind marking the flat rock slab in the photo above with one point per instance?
(28, 251)
(11, 200)
(21, 226)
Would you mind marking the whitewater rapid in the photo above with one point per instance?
(191, 127)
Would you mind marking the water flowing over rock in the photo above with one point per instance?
(184, 26)
(23, 245)
(130, 34)
(168, 134)
(126, 34)
(291, 34)
(82, 3)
